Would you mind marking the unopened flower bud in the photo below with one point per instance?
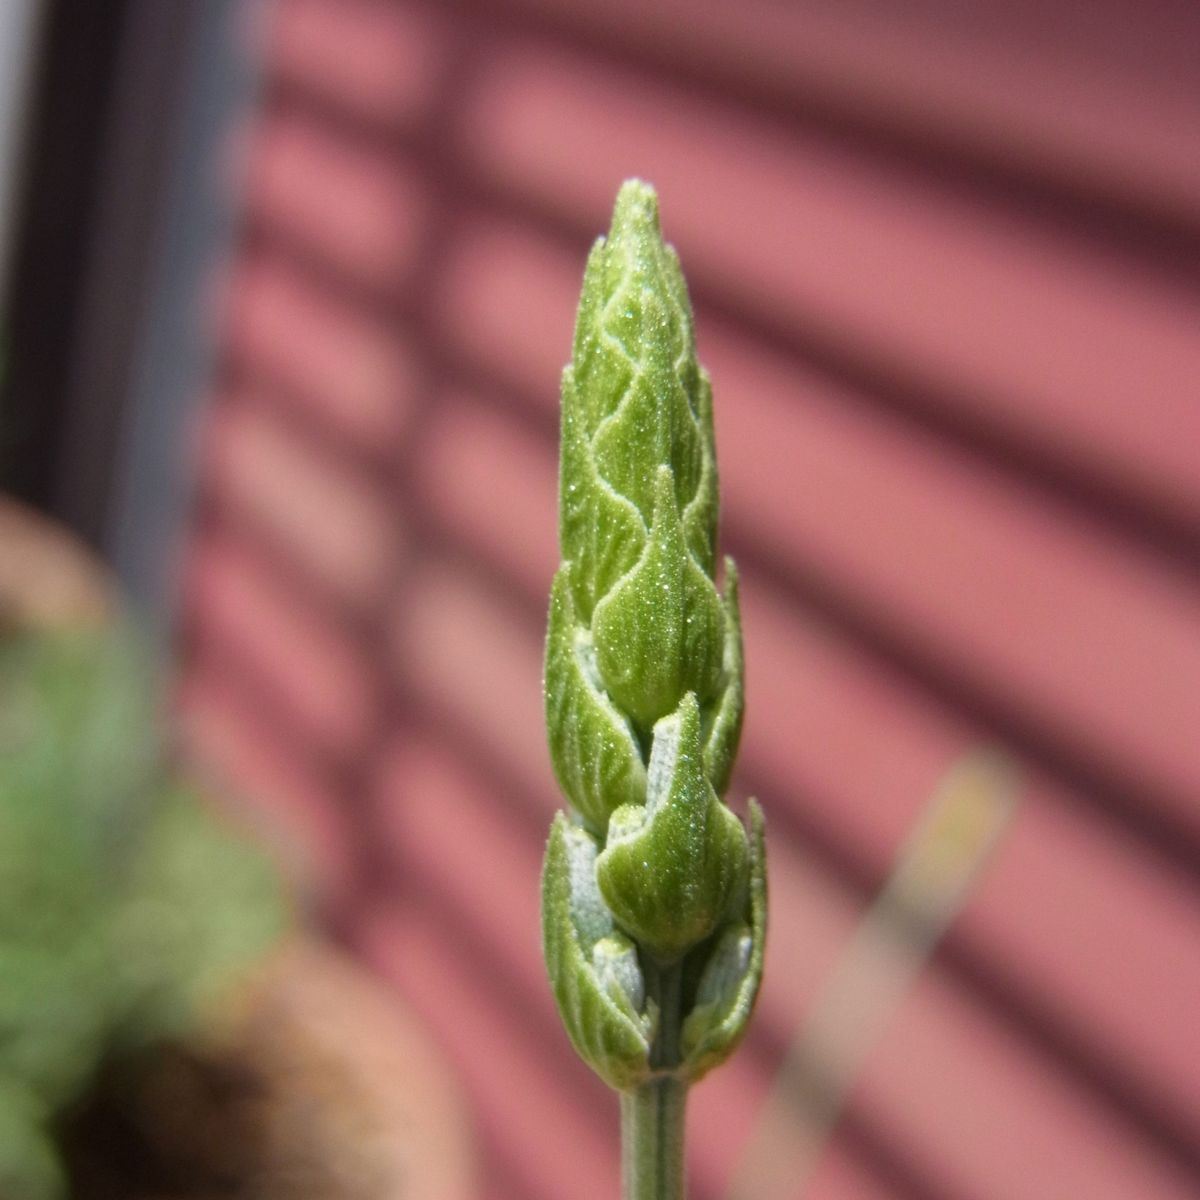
(653, 898)
(672, 866)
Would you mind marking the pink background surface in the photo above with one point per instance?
(946, 269)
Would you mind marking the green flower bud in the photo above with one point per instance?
(593, 968)
(672, 866)
(653, 898)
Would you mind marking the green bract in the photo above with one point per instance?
(599, 1000)
(651, 885)
(696, 846)
(728, 983)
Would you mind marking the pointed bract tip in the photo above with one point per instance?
(635, 213)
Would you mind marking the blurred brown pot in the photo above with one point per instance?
(313, 1083)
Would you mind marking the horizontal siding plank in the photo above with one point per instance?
(814, 914)
(300, 174)
(841, 1174)
(379, 60)
(720, 1114)
(467, 652)
(1103, 938)
(348, 368)
(321, 675)
(506, 299)
(854, 745)
(328, 519)
(474, 457)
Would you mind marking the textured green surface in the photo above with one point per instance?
(600, 1013)
(728, 983)
(654, 898)
(696, 846)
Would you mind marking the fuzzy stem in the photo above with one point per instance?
(652, 1120)
(652, 1116)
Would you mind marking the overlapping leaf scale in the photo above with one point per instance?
(602, 370)
(596, 757)
(655, 422)
(725, 717)
(695, 845)
(700, 512)
(600, 532)
(609, 1036)
(729, 982)
(638, 385)
(660, 631)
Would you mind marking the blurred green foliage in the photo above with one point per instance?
(125, 906)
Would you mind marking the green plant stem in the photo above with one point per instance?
(652, 1140)
(652, 1116)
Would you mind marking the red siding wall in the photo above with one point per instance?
(946, 268)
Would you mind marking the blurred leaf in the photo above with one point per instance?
(125, 907)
